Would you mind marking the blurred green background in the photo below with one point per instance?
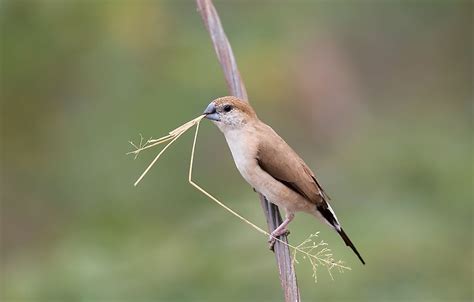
(375, 96)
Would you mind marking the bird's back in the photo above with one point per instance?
(284, 164)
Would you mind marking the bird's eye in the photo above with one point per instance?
(227, 108)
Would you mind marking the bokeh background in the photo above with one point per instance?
(375, 95)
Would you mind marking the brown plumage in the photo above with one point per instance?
(237, 104)
(271, 166)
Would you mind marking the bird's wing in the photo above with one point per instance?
(276, 158)
(279, 160)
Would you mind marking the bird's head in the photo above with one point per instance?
(230, 113)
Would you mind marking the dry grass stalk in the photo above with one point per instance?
(172, 137)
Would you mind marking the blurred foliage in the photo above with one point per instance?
(375, 95)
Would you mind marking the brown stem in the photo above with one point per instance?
(236, 87)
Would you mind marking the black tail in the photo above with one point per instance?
(325, 210)
(350, 244)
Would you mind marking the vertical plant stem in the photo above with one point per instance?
(236, 87)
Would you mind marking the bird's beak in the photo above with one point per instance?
(211, 113)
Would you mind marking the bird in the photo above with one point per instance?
(271, 166)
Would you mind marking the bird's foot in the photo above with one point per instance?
(275, 234)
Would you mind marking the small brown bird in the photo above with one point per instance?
(271, 166)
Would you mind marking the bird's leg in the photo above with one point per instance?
(281, 229)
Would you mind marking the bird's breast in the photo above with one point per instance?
(244, 151)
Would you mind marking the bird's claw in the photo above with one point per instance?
(271, 244)
(273, 236)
